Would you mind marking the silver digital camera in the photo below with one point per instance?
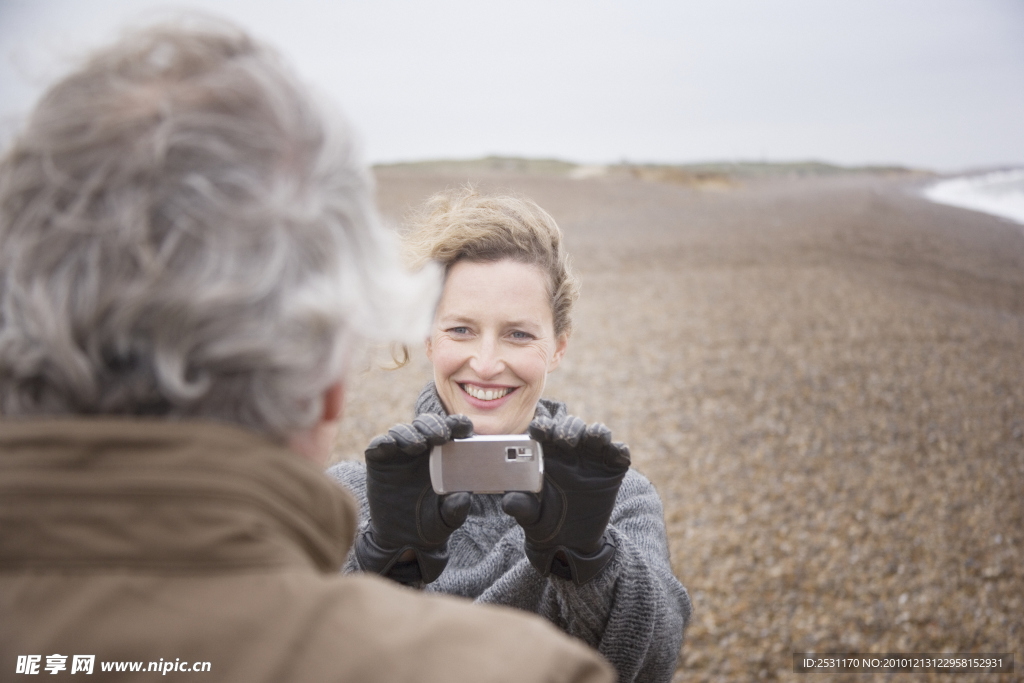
(488, 464)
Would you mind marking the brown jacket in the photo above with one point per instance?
(184, 542)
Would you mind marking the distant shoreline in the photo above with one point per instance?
(994, 192)
(999, 193)
(705, 174)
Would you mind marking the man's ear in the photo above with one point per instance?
(334, 402)
(316, 442)
(561, 344)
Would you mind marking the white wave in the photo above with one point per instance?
(1000, 193)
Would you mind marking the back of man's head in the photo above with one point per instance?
(183, 233)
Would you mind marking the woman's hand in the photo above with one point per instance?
(565, 523)
(406, 516)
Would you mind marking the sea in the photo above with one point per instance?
(1000, 193)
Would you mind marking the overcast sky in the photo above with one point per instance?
(929, 83)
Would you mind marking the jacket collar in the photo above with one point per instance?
(164, 495)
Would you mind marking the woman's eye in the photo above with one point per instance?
(458, 330)
(521, 336)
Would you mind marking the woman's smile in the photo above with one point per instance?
(489, 398)
(493, 343)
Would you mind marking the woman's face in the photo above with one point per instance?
(493, 343)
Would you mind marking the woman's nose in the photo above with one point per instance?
(486, 361)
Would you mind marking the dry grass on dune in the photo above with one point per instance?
(824, 380)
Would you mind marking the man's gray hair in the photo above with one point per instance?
(183, 233)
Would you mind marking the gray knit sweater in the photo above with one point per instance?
(633, 612)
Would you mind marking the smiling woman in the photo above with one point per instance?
(589, 551)
(494, 343)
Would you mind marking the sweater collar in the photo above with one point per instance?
(429, 401)
(169, 496)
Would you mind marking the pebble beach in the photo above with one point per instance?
(823, 376)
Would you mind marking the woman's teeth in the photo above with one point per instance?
(485, 394)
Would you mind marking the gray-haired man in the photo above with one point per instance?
(187, 253)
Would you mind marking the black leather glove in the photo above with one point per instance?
(405, 513)
(565, 524)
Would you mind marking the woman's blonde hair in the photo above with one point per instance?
(464, 225)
